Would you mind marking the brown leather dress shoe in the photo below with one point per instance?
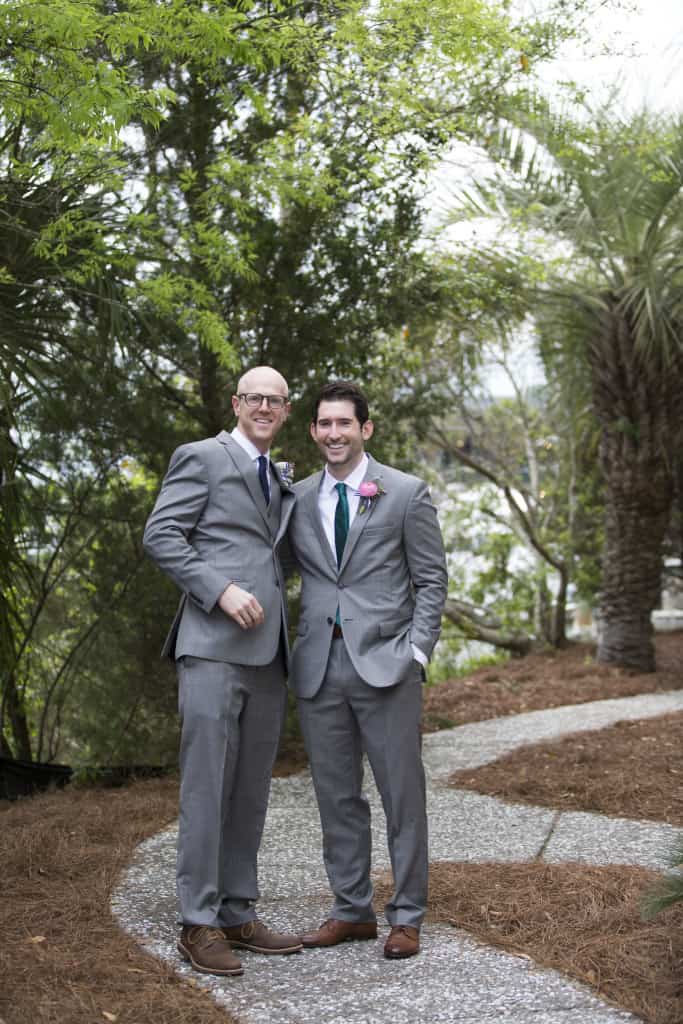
(333, 931)
(255, 936)
(403, 941)
(208, 950)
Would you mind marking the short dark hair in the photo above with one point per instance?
(343, 391)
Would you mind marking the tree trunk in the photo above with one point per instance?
(558, 620)
(487, 628)
(200, 151)
(637, 396)
(678, 504)
(213, 391)
(13, 721)
(636, 519)
(13, 711)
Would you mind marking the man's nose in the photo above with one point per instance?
(264, 401)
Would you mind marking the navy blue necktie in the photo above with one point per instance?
(263, 477)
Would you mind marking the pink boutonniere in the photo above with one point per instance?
(368, 492)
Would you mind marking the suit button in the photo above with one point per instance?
(330, 620)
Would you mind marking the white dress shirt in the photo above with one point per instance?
(328, 497)
(253, 452)
(327, 504)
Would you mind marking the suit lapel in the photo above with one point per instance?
(246, 467)
(361, 519)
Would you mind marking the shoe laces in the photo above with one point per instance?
(206, 935)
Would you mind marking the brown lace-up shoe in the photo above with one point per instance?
(403, 941)
(208, 950)
(333, 931)
(255, 936)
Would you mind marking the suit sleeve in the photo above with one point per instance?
(427, 566)
(167, 537)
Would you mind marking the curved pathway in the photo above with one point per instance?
(456, 980)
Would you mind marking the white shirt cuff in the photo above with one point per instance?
(419, 655)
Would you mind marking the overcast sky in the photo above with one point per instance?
(648, 60)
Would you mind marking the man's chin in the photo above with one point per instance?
(265, 433)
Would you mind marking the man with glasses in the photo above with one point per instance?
(215, 529)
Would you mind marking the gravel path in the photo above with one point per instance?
(455, 980)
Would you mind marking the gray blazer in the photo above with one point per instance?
(210, 527)
(390, 588)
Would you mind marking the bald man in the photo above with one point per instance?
(215, 529)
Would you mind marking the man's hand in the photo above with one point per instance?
(241, 606)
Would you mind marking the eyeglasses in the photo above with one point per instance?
(254, 400)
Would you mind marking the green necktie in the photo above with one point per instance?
(341, 521)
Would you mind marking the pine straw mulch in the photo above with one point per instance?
(580, 920)
(63, 960)
(632, 769)
(583, 921)
(547, 680)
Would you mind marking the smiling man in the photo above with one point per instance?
(215, 529)
(368, 546)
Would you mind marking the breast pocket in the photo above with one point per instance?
(379, 531)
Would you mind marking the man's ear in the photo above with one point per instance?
(235, 403)
(367, 430)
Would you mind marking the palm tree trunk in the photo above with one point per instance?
(636, 518)
(637, 398)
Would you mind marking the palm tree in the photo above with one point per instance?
(610, 313)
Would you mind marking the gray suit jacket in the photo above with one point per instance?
(390, 588)
(210, 527)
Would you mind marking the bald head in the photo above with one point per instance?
(257, 418)
(263, 379)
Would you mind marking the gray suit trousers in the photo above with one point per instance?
(231, 719)
(345, 719)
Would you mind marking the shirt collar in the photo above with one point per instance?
(353, 480)
(248, 446)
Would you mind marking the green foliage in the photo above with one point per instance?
(188, 188)
(55, 80)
